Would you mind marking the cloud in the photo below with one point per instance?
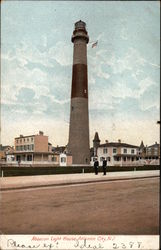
(61, 53)
(132, 60)
(145, 84)
(25, 95)
(97, 67)
(102, 100)
(29, 53)
(23, 70)
(155, 65)
(149, 98)
(121, 90)
(17, 78)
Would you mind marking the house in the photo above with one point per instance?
(58, 149)
(153, 152)
(149, 154)
(33, 149)
(117, 153)
(123, 154)
(56, 159)
(65, 159)
(6, 153)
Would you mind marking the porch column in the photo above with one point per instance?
(121, 160)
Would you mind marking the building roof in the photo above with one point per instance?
(24, 136)
(142, 145)
(96, 137)
(117, 144)
(56, 153)
(154, 145)
(2, 148)
(58, 149)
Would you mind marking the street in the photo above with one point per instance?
(119, 207)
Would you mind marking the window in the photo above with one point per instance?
(27, 139)
(20, 141)
(16, 148)
(155, 151)
(124, 158)
(29, 158)
(101, 158)
(24, 140)
(105, 151)
(16, 141)
(125, 150)
(108, 158)
(114, 150)
(54, 159)
(32, 139)
(117, 158)
(63, 159)
(132, 159)
(132, 151)
(31, 147)
(28, 147)
(25, 147)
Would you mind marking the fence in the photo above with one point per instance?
(52, 170)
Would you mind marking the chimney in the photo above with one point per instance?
(21, 135)
(41, 133)
(119, 140)
(106, 141)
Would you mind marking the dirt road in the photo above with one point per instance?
(120, 207)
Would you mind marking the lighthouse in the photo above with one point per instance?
(78, 144)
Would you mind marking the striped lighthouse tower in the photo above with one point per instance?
(78, 144)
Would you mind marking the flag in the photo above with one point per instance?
(94, 44)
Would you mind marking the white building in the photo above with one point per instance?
(117, 154)
(65, 160)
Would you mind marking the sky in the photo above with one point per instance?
(123, 69)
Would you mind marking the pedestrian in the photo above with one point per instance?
(96, 165)
(104, 164)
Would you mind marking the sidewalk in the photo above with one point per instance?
(23, 182)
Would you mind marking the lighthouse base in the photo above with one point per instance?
(78, 145)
